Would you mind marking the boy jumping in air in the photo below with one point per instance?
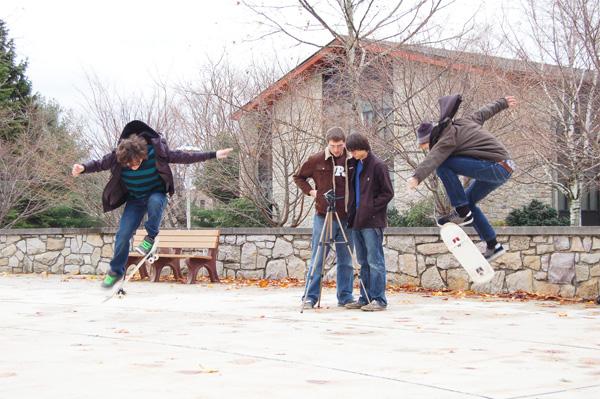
(140, 179)
(463, 147)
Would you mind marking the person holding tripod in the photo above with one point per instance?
(329, 171)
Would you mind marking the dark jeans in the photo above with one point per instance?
(368, 244)
(132, 216)
(487, 176)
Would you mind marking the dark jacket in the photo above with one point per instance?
(376, 191)
(462, 137)
(115, 193)
(320, 168)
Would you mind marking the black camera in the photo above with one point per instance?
(331, 198)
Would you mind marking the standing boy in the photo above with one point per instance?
(328, 170)
(370, 192)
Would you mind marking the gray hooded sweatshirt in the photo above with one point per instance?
(463, 136)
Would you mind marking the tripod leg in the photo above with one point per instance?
(354, 261)
(311, 270)
(325, 243)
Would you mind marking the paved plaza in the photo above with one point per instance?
(170, 340)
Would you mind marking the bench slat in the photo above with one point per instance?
(186, 244)
(170, 256)
(193, 233)
(184, 239)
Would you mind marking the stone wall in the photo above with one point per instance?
(560, 261)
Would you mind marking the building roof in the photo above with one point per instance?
(457, 60)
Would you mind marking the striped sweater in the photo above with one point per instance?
(145, 180)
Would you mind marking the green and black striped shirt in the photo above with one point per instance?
(145, 180)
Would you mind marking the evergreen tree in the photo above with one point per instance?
(15, 88)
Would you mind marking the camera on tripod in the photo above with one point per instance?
(331, 198)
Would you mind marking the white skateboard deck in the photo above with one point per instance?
(467, 254)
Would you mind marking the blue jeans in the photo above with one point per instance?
(487, 176)
(135, 210)
(345, 271)
(368, 244)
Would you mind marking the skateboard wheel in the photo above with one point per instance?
(598, 300)
(150, 260)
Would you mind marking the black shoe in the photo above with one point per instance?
(492, 253)
(454, 217)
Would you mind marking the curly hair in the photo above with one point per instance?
(132, 149)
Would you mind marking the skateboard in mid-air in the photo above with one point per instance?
(467, 254)
(150, 257)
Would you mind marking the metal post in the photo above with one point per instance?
(188, 216)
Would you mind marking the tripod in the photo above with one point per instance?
(327, 242)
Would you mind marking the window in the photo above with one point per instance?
(590, 207)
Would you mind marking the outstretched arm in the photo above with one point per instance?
(96, 165)
(491, 109)
(187, 157)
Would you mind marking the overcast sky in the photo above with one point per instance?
(127, 43)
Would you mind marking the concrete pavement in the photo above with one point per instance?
(169, 340)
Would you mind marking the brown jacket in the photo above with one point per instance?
(376, 191)
(466, 137)
(320, 168)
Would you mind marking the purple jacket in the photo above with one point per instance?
(376, 191)
(115, 193)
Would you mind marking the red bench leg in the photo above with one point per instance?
(194, 266)
(161, 263)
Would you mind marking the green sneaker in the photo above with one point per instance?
(110, 279)
(145, 246)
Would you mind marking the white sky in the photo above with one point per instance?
(128, 43)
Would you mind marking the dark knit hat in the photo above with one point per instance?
(424, 132)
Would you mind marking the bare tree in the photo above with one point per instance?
(560, 58)
(271, 145)
(357, 27)
(363, 89)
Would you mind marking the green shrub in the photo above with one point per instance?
(535, 214)
(240, 212)
(418, 215)
(58, 216)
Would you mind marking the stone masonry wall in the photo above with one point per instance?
(560, 261)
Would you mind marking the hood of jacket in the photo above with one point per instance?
(140, 128)
(448, 107)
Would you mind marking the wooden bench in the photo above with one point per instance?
(177, 245)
